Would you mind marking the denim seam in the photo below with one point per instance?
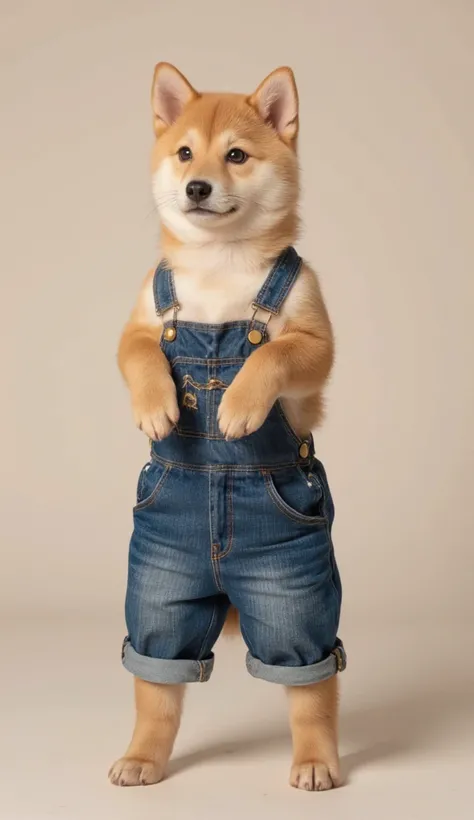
(291, 273)
(331, 566)
(291, 277)
(142, 505)
(289, 283)
(141, 481)
(208, 326)
(216, 571)
(170, 300)
(268, 283)
(212, 420)
(214, 563)
(212, 621)
(230, 525)
(173, 289)
(217, 362)
(191, 360)
(196, 675)
(223, 468)
(247, 639)
(330, 541)
(293, 515)
(275, 673)
(194, 434)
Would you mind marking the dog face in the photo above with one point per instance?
(224, 165)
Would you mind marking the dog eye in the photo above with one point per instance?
(237, 156)
(185, 154)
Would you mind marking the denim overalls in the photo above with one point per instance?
(216, 521)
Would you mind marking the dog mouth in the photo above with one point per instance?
(199, 210)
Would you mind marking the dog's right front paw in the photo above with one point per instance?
(314, 776)
(156, 412)
(129, 771)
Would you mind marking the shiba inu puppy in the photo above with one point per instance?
(225, 182)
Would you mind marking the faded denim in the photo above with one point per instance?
(246, 522)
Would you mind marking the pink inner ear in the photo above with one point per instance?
(277, 102)
(171, 95)
(168, 105)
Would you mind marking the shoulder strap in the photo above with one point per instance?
(163, 289)
(279, 281)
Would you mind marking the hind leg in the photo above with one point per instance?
(313, 719)
(159, 708)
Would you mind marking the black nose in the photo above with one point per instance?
(198, 189)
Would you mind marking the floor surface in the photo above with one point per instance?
(407, 733)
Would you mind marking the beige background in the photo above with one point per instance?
(387, 156)
(387, 151)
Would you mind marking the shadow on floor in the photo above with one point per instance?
(246, 745)
(396, 728)
(422, 720)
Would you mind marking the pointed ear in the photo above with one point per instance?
(276, 100)
(170, 93)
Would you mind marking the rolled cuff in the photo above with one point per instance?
(164, 670)
(300, 675)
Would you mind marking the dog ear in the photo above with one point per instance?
(276, 100)
(170, 93)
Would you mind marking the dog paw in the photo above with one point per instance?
(241, 414)
(130, 772)
(156, 413)
(314, 777)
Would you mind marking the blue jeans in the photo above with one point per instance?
(259, 539)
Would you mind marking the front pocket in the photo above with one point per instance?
(298, 498)
(150, 484)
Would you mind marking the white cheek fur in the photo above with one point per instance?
(165, 188)
(262, 197)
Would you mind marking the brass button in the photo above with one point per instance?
(213, 382)
(304, 450)
(255, 337)
(170, 334)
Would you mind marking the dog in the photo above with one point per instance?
(225, 181)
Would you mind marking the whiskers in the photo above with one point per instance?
(237, 201)
(162, 201)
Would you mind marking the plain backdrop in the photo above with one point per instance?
(387, 135)
(387, 155)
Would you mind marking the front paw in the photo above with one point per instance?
(242, 411)
(314, 776)
(156, 411)
(135, 772)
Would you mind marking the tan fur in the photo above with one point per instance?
(159, 710)
(219, 266)
(313, 719)
(232, 623)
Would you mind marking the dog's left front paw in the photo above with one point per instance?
(314, 777)
(242, 412)
(135, 772)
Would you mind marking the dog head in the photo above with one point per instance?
(224, 165)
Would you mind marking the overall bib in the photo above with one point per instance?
(246, 522)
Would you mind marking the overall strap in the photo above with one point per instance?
(279, 281)
(163, 289)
